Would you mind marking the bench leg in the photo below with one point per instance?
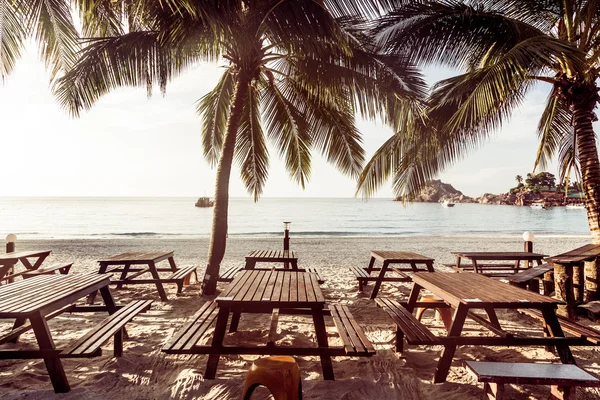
(18, 323)
(493, 391)
(379, 280)
(180, 284)
(371, 264)
(235, 321)
(53, 365)
(217, 342)
(361, 285)
(399, 341)
(562, 392)
(118, 350)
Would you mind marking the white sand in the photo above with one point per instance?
(146, 373)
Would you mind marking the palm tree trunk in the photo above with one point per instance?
(218, 240)
(590, 176)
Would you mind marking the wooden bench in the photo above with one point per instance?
(182, 277)
(407, 325)
(61, 268)
(187, 337)
(530, 279)
(354, 339)
(363, 277)
(315, 271)
(562, 378)
(89, 344)
(229, 274)
(590, 334)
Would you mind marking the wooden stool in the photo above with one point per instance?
(444, 313)
(279, 374)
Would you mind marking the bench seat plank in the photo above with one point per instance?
(354, 339)
(61, 268)
(187, 337)
(90, 343)
(590, 334)
(229, 274)
(531, 273)
(532, 373)
(415, 331)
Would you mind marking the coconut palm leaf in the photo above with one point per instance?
(380, 167)
(101, 18)
(251, 150)
(133, 59)
(51, 24)
(12, 34)
(555, 127)
(214, 110)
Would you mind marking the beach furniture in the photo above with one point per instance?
(279, 374)
(480, 262)
(61, 268)
(587, 333)
(569, 276)
(135, 264)
(416, 262)
(31, 260)
(563, 379)
(272, 292)
(44, 297)
(530, 279)
(284, 257)
(466, 293)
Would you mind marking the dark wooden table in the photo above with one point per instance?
(262, 291)
(43, 297)
(272, 256)
(468, 292)
(9, 260)
(569, 276)
(414, 260)
(516, 257)
(132, 265)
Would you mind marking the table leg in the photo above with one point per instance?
(429, 265)
(371, 264)
(458, 260)
(413, 298)
(441, 371)
(158, 283)
(493, 317)
(413, 266)
(217, 343)
(379, 280)
(235, 320)
(554, 329)
(38, 263)
(53, 364)
(321, 333)
(18, 322)
(294, 265)
(92, 296)
(476, 267)
(250, 264)
(124, 274)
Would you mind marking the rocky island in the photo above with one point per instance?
(532, 192)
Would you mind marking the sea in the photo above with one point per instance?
(111, 218)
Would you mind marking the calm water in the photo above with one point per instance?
(42, 218)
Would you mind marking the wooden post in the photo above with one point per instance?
(591, 281)
(11, 238)
(286, 240)
(563, 279)
(528, 247)
(578, 287)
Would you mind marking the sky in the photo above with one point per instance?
(131, 145)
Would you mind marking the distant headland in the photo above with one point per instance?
(534, 189)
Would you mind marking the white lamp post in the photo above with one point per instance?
(11, 238)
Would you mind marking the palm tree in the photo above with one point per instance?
(48, 22)
(519, 179)
(504, 47)
(296, 72)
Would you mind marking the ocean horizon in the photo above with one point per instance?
(177, 217)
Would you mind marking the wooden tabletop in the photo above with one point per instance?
(272, 255)
(585, 253)
(477, 290)
(34, 294)
(399, 256)
(14, 256)
(499, 255)
(138, 257)
(273, 287)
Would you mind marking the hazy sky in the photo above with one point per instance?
(129, 145)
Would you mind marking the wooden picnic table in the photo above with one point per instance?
(387, 258)
(272, 292)
(496, 270)
(569, 276)
(134, 264)
(9, 260)
(272, 256)
(468, 292)
(40, 298)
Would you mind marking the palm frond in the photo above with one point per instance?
(250, 149)
(213, 107)
(100, 18)
(554, 127)
(51, 23)
(287, 128)
(382, 165)
(133, 59)
(12, 34)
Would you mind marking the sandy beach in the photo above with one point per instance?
(145, 373)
